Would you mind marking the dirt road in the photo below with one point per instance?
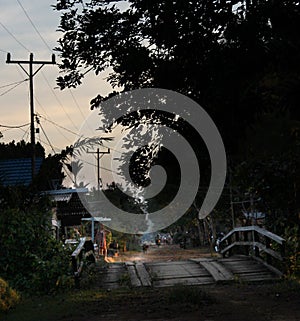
(164, 253)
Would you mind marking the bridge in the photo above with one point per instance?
(248, 254)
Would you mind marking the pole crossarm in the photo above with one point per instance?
(31, 74)
(34, 62)
(98, 163)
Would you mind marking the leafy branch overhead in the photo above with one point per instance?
(238, 59)
(84, 143)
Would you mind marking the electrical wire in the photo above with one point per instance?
(57, 99)
(78, 107)
(26, 132)
(63, 164)
(47, 138)
(59, 126)
(10, 89)
(11, 34)
(13, 83)
(38, 114)
(33, 25)
(19, 126)
(64, 128)
(76, 103)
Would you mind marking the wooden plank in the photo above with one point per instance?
(143, 274)
(178, 276)
(217, 271)
(269, 267)
(135, 281)
(253, 278)
(171, 263)
(223, 270)
(183, 281)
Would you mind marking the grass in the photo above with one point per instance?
(61, 306)
(89, 304)
(191, 295)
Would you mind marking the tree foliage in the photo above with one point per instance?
(31, 259)
(235, 58)
(271, 172)
(238, 59)
(19, 150)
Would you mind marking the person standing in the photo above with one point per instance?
(101, 240)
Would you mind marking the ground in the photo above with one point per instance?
(222, 302)
(163, 253)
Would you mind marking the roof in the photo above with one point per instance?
(17, 171)
(61, 195)
(69, 208)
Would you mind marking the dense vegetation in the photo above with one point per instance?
(32, 260)
(239, 60)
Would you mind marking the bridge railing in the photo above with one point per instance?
(257, 242)
(83, 253)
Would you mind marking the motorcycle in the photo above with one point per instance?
(217, 246)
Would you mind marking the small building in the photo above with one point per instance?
(69, 209)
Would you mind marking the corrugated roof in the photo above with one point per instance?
(61, 195)
(17, 171)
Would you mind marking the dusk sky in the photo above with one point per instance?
(29, 26)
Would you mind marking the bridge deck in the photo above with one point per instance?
(189, 272)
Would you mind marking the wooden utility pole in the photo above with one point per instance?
(31, 73)
(98, 163)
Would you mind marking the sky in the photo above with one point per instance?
(30, 26)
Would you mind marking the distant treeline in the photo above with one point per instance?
(19, 150)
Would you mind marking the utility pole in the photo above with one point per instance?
(98, 163)
(31, 73)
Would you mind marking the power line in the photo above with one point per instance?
(76, 103)
(26, 132)
(33, 25)
(78, 107)
(13, 83)
(64, 165)
(58, 130)
(20, 126)
(64, 128)
(20, 43)
(38, 121)
(59, 102)
(49, 118)
(10, 89)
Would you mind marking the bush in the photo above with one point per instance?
(292, 252)
(8, 297)
(31, 259)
